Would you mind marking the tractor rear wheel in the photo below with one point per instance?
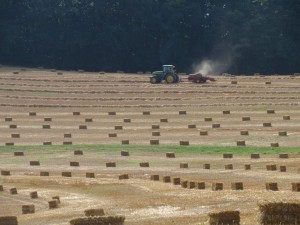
(170, 78)
(176, 78)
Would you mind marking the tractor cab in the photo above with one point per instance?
(168, 74)
(168, 69)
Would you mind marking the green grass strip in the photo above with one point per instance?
(178, 149)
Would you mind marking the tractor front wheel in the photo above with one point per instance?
(170, 79)
(155, 80)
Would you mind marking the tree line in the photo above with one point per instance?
(248, 36)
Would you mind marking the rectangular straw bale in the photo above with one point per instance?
(47, 143)
(237, 186)
(166, 179)
(203, 133)
(8, 119)
(184, 184)
(244, 132)
(182, 112)
(124, 153)
(274, 145)
(271, 167)
(124, 177)
(155, 127)
(192, 185)
(184, 165)
(67, 135)
(224, 217)
(255, 156)
(76, 113)
(267, 124)
(112, 135)
(228, 167)
(48, 119)
(127, 120)
(201, 185)
(176, 181)
(226, 112)
(208, 119)
(32, 113)
(154, 142)
(78, 152)
(192, 126)
(154, 177)
(99, 220)
(18, 153)
(110, 164)
(170, 154)
(112, 113)
(296, 187)
(67, 143)
(82, 127)
(90, 175)
(57, 198)
(88, 120)
(118, 127)
(28, 209)
(286, 117)
(34, 195)
(13, 191)
(217, 186)
(74, 163)
(5, 172)
(13, 126)
(146, 113)
(144, 164)
(284, 156)
(185, 143)
(46, 126)
(155, 133)
(227, 156)
(34, 163)
(53, 204)
(9, 144)
(282, 133)
(247, 167)
(241, 143)
(125, 142)
(206, 166)
(8, 220)
(66, 174)
(282, 168)
(1, 188)
(44, 174)
(246, 118)
(94, 212)
(216, 125)
(272, 186)
(270, 111)
(234, 82)
(164, 120)
(279, 213)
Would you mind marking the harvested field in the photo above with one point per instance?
(83, 110)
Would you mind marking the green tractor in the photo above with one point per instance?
(168, 74)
